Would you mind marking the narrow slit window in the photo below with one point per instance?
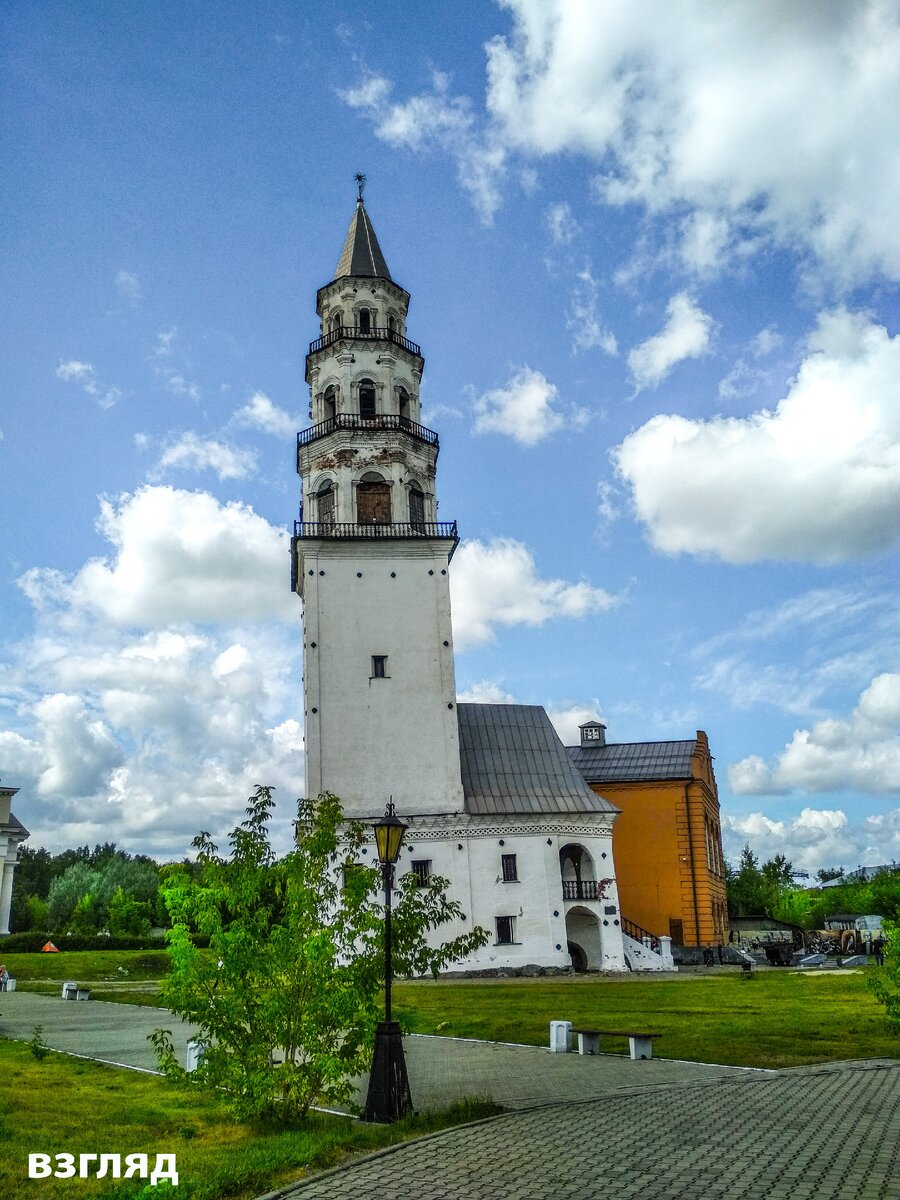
(416, 506)
(367, 400)
(508, 867)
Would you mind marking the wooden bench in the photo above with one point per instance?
(640, 1045)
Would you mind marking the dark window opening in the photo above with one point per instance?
(379, 666)
(330, 401)
(416, 506)
(325, 500)
(367, 400)
(403, 397)
(676, 931)
(365, 321)
(508, 863)
(422, 871)
(505, 930)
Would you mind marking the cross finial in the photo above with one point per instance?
(360, 184)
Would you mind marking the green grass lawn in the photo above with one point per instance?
(780, 1018)
(66, 1105)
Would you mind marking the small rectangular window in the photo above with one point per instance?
(505, 930)
(379, 666)
(421, 868)
(510, 873)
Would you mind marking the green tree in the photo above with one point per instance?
(885, 982)
(65, 893)
(36, 913)
(288, 995)
(127, 917)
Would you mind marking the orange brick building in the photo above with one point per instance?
(667, 841)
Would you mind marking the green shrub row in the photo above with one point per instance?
(32, 942)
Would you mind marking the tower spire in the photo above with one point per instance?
(361, 254)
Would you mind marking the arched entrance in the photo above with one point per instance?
(583, 933)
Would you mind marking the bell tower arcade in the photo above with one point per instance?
(369, 557)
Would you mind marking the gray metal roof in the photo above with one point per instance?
(15, 827)
(513, 762)
(626, 762)
(361, 254)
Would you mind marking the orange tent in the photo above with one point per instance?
(49, 948)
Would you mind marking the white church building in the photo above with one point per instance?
(493, 801)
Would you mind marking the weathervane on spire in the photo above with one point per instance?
(360, 184)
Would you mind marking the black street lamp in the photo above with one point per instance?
(389, 1098)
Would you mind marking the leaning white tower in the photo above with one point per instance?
(370, 558)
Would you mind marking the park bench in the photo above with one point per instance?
(71, 991)
(746, 971)
(640, 1045)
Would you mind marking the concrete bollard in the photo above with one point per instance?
(560, 1037)
(194, 1052)
(69, 989)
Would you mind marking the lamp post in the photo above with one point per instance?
(388, 1098)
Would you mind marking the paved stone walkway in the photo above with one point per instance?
(602, 1128)
(810, 1134)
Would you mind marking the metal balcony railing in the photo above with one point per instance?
(383, 421)
(356, 530)
(377, 333)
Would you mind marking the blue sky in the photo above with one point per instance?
(654, 261)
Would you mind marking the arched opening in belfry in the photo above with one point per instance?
(330, 402)
(365, 321)
(373, 500)
(336, 322)
(403, 401)
(367, 399)
(325, 503)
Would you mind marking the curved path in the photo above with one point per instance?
(602, 1128)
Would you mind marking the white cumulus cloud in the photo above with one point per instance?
(176, 556)
(496, 583)
(261, 413)
(859, 753)
(816, 480)
(767, 121)
(686, 334)
(526, 409)
(193, 453)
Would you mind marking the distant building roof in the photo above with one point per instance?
(626, 762)
(512, 761)
(361, 254)
(861, 873)
(15, 828)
